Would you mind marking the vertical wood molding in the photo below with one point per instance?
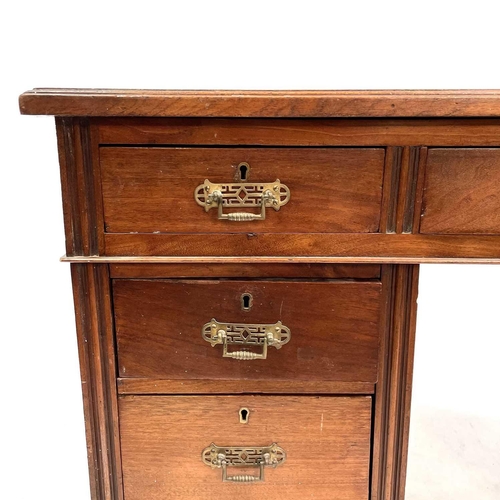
(79, 186)
(88, 184)
(98, 373)
(392, 171)
(410, 190)
(402, 189)
(419, 194)
(72, 223)
(393, 390)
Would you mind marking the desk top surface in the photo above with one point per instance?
(261, 104)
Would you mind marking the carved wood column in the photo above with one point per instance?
(98, 373)
(393, 391)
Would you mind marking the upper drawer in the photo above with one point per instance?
(330, 190)
(323, 331)
(462, 191)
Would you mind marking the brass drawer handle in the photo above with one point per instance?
(242, 195)
(245, 335)
(222, 457)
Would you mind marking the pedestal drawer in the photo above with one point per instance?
(255, 329)
(299, 447)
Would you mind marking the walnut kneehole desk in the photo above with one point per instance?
(245, 271)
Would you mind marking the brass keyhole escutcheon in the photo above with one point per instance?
(243, 171)
(246, 301)
(244, 415)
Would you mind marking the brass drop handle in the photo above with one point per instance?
(223, 457)
(241, 195)
(246, 335)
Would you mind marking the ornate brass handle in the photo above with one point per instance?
(222, 457)
(246, 335)
(242, 195)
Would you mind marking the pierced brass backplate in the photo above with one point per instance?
(246, 335)
(242, 195)
(222, 457)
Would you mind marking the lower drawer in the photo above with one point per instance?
(329, 329)
(321, 446)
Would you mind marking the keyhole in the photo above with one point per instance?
(243, 171)
(244, 414)
(246, 301)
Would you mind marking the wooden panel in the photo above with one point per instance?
(402, 189)
(393, 391)
(291, 132)
(94, 323)
(279, 260)
(162, 386)
(327, 442)
(407, 190)
(151, 190)
(252, 270)
(78, 152)
(334, 325)
(238, 103)
(462, 193)
(382, 248)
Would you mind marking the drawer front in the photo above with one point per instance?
(461, 193)
(330, 329)
(152, 190)
(324, 447)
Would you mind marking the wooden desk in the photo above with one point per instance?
(245, 270)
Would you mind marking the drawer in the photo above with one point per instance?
(322, 447)
(325, 330)
(461, 194)
(161, 189)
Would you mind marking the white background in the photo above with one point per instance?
(455, 434)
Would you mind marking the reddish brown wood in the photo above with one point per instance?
(334, 329)
(239, 270)
(390, 189)
(421, 167)
(327, 442)
(306, 132)
(404, 182)
(98, 373)
(81, 187)
(388, 248)
(151, 190)
(291, 132)
(162, 386)
(419, 190)
(237, 103)
(404, 188)
(393, 390)
(462, 191)
(277, 260)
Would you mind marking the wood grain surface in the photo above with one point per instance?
(393, 390)
(276, 260)
(81, 186)
(305, 132)
(326, 439)
(165, 386)
(385, 178)
(462, 191)
(248, 270)
(260, 103)
(94, 326)
(151, 190)
(334, 328)
(388, 248)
